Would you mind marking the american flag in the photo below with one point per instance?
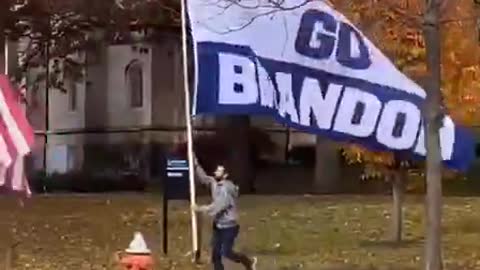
(16, 140)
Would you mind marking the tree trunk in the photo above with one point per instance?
(398, 190)
(327, 167)
(433, 252)
(234, 131)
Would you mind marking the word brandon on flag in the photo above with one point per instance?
(327, 97)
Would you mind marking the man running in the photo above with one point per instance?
(223, 209)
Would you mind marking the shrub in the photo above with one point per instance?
(84, 182)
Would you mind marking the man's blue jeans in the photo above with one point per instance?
(223, 241)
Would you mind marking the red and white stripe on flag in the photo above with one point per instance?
(16, 138)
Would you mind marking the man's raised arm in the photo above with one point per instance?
(201, 174)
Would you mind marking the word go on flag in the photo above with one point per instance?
(311, 69)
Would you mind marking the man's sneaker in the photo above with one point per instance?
(253, 266)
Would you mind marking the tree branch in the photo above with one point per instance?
(272, 7)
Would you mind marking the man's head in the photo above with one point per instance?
(220, 173)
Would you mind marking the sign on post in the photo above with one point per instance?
(176, 184)
(176, 187)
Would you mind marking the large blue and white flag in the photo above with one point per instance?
(312, 70)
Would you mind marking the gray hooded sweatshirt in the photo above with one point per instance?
(223, 208)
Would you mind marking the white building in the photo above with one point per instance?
(124, 86)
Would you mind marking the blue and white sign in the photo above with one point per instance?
(176, 183)
(311, 69)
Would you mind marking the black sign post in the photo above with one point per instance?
(176, 187)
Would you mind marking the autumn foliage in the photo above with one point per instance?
(395, 27)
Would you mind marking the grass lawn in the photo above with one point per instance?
(285, 232)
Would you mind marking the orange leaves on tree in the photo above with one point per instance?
(383, 22)
(460, 68)
(375, 162)
(391, 25)
(403, 42)
(461, 88)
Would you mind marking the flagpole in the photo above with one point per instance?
(188, 119)
(6, 52)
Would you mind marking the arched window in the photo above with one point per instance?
(134, 80)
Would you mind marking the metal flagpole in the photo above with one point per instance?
(188, 119)
(6, 52)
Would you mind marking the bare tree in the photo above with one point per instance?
(434, 118)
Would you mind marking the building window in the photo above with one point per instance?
(72, 96)
(72, 157)
(134, 80)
